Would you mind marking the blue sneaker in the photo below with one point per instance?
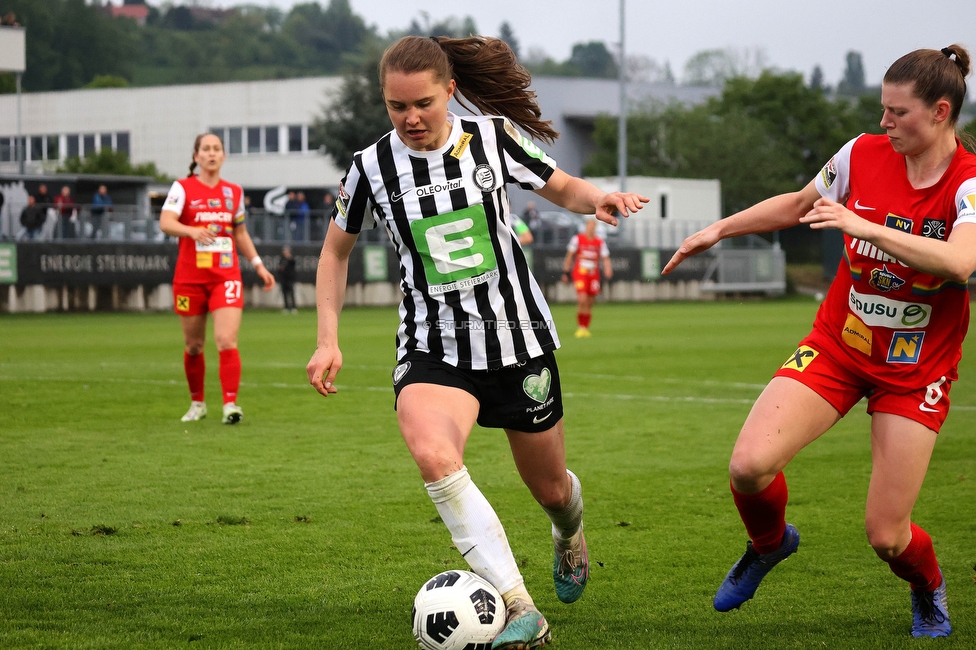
(742, 581)
(930, 616)
(570, 567)
(526, 628)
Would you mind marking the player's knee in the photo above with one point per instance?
(225, 342)
(886, 539)
(193, 348)
(748, 471)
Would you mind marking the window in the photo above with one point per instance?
(122, 141)
(88, 142)
(52, 147)
(294, 138)
(73, 151)
(234, 144)
(220, 132)
(106, 141)
(37, 147)
(271, 139)
(6, 150)
(254, 139)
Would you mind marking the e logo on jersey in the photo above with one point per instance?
(898, 223)
(906, 347)
(454, 247)
(484, 177)
(802, 358)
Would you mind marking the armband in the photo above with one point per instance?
(256, 260)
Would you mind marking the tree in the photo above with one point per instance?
(357, 117)
(593, 60)
(852, 85)
(817, 78)
(506, 34)
(107, 161)
(713, 67)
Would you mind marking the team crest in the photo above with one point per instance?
(400, 371)
(229, 193)
(829, 173)
(933, 228)
(884, 280)
(898, 223)
(229, 204)
(484, 177)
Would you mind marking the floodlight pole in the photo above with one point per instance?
(21, 153)
(622, 121)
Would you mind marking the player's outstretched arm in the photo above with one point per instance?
(583, 197)
(776, 213)
(330, 291)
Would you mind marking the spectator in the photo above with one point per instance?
(32, 218)
(101, 203)
(328, 206)
(42, 197)
(304, 217)
(65, 205)
(531, 217)
(293, 214)
(286, 278)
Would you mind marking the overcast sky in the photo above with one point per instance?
(793, 35)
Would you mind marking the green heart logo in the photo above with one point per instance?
(537, 386)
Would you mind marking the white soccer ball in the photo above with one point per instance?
(457, 610)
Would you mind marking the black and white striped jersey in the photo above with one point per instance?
(469, 296)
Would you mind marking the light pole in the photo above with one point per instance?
(622, 120)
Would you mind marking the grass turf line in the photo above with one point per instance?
(307, 526)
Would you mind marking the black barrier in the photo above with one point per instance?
(133, 264)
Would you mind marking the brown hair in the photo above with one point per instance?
(485, 69)
(196, 148)
(937, 74)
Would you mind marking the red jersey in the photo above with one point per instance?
(881, 318)
(589, 251)
(219, 209)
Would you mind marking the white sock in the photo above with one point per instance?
(475, 529)
(566, 522)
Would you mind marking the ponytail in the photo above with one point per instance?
(486, 71)
(936, 74)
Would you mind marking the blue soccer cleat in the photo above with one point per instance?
(930, 615)
(570, 567)
(742, 581)
(526, 628)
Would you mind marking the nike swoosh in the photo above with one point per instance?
(537, 419)
(857, 204)
(469, 550)
(923, 407)
(396, 196)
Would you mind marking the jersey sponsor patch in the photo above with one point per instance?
(213, 203)
(229, 193)
(456, 249)
(182, 303)
(226, 260)
(934, 228)
(537, 386)
(898, 223)
(867, 249)
(829, 173)
(857, 335)
(906, 347)
(204, 260)
(219, 245)
(884, 280)
(800, 359)
(878, 311)
(342, 200)
(462, 144)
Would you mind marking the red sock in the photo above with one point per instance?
(230, 374)
(195, 370)
(764, 514)
(917, 563)
(584, 319)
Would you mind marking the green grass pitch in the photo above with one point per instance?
(307, 525)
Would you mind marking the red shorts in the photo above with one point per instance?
(587, 283)
(843, 388)
(196, 299)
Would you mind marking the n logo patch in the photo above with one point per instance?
(906, 347)
(182, 303)
(802, 358)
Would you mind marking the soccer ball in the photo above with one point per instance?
(457, 610)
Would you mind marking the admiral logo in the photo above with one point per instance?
(462, 144)
(871, 251)
(484, 177)
(884, 280)
(800, 359)
(857, 335)
(213, 203)
(829, 173)
(906, 347)
(877, 311)
(898, 223)
(933, 228)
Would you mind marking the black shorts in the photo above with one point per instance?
(523, 397)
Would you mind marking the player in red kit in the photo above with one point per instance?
(589, 252)
(207, 214)
(890, 329)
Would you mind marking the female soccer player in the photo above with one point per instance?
(890, 329)
(476, 337)
(207, 214)
(589, 251)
